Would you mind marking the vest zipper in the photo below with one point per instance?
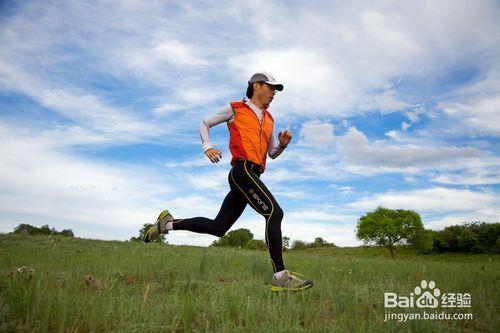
(260, 135)
(260, 129)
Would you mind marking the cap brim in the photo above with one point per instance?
(278, 86)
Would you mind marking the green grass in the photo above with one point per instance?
(153, 287)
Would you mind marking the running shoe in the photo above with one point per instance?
(290, 281)
(160, 227)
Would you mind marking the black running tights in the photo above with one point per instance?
(246, 188)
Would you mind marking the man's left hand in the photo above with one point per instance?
(285, 137)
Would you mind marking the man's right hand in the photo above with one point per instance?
(214, 155)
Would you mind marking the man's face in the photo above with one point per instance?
(264, 93)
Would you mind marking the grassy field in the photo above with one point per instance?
(80, 285)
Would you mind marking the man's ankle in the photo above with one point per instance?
(279, 274)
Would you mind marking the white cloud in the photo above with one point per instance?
(340, 235)
(179, 53)
(480, 114)
(385, 30)
(392, 134)
(317, 133)
(40, 181)
(43, 184)
(361, 154)
(311, 81)
(166, 108)
(387, 102)
(436, 199)
(487, 171)
(364, 48)
(454, 219)
(93, 116)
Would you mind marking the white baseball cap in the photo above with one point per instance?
(267, 78)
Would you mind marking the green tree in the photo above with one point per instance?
(67, 233)
(235, 238)
(319, 242)
(286, 243)
(25, 229)
(387, 227)
(478, 237)
(299, 245)
(256, 244)
(423, 241)
(45, 230)
(488, 235)
(221, 242)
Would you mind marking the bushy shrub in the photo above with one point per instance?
(318, 242)
(235, 238)
(27, 229)
(423, 242)
(477, 237)
(256, 244)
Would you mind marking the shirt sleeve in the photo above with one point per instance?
(224, 115)
(273, 150)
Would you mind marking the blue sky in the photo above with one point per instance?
(391, 103)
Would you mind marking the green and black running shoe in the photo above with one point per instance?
(160, 227)
(290, 282)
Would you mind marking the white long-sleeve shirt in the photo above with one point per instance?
(226, 115)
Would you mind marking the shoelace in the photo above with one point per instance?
(296, 274)
(293, 276)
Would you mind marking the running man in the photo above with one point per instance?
(251, 140)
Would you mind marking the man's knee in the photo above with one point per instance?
(219, 229)
(219, 232)
(278, 213)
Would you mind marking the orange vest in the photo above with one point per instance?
(249, 138)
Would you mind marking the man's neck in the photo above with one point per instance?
(257, 103)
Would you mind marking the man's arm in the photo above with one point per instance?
(224, 115)
(273, 150)
(284, 138)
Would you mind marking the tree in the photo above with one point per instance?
(423, 241)
(45, 230)
(286, 243)
(477, 237)
(256, 244)
(299, 245)
(387, 227)
(221, 242)
(142, 233)
(27, 229)
(235, 238)
(319, 242)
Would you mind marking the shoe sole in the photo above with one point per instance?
(146, 238)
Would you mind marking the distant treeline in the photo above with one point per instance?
(318, 242)
(243, 238)
(27, 229)
(475, 237)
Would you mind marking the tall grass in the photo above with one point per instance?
(88, 285)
